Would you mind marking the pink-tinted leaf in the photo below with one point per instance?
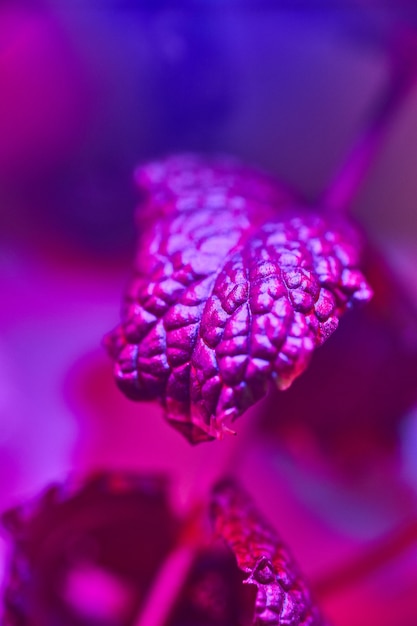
(87, 553)
(282, 595)
(233, 289)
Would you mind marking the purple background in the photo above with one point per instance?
(87, 90)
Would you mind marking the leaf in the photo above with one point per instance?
(87, 550)
(232, 289)
(282, 595)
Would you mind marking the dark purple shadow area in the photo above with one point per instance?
(350, 404)
(87, 554)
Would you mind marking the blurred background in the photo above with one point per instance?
(91, 88)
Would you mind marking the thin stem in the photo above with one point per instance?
(166, 587)
(196, 534)
(378, 555)
(345, 185)
(173, 573)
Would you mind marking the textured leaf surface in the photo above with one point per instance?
(232, 289)
(282, 595)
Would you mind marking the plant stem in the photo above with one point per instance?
(172, 575)
(166, 587)
(337, 198)
(378, 555)
(348, 180)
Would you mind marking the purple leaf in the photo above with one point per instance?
(282, 595)
(87, 551)
(233, 288)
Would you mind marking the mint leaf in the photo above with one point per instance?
(233, 289)
(282, 595)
